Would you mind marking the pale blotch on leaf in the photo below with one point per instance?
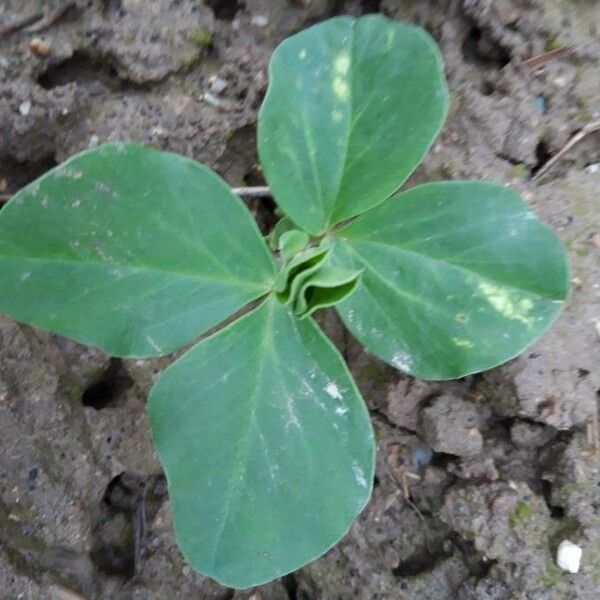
(337, 116)
(68, 172)
(462, 343)
(402, 361)
(302, 54)
(153, 343)
(341, 66)
(506, 304)
(341, 63)
(340, 88)
(292, 420)
(333, 390)
(359, 475)
(390, 38)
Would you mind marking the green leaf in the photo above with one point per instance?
(458, 277)
(267, 446)
(352, 107)
(129, 249)
(291, 242)
(292, 274)
(281, 227)
(325, 286)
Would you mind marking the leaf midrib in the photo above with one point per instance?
(139, 269)
(241, 457)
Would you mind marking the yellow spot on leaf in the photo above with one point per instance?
(390, 38)
(302, 54)
(341, 63)
(461, 343)
(341, 89)
(507, 304)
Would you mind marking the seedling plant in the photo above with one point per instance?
(264, 438)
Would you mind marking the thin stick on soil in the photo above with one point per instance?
(544, 57)
(139, 531)
(52, 17)
(403, 487)
(582, 133)
(6, 30)
(253, 192)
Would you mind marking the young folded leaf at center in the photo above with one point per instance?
(310, 281)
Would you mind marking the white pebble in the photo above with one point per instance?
(211, 99)
(217, 85)
(568, 556)
(25, 107)
(260, 20)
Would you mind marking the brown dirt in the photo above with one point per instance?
(497, 467)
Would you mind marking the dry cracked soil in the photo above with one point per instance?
(478, 480)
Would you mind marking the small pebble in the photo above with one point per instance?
(211, 99)
(593, 168)
(568, 556)
(25, 107)
(39, 47)
(217, 85)
(159, 131)
(259, 20)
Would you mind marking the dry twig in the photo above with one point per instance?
(52, 17)
(37, 22)
(253, 192)
(582, 133)
(544, 57)
(402, 485)
(139, 531)
(6, 30)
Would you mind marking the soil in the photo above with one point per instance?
(478, 480)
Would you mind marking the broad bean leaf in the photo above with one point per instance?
(291, 242)
(458, 277)
(299, 267)
(352, 107)
(129, 249)
(282, 226)
(326, 285)
(267, 447)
